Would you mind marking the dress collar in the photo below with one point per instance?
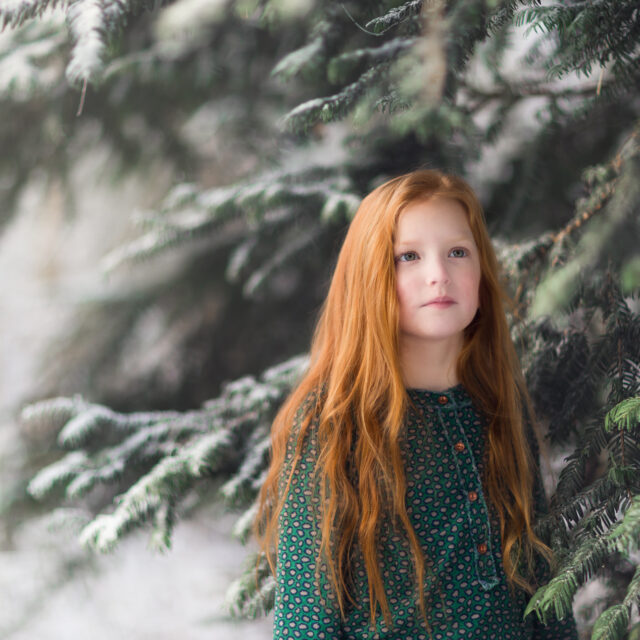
(452, 397)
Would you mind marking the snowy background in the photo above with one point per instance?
(52, 589)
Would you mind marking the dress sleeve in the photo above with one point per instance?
(564, 629)
(304, 606)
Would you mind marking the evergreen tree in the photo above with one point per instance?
(550, 136)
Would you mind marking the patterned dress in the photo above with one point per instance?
(467, 591)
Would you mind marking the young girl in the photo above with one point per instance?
(403, 483)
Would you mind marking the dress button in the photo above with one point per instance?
(459, 446)
(473, 496)
(443, 399)
(482, 548)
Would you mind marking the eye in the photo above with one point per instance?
(407, 256)
(458, 252)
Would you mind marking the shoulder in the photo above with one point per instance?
(306, 416)
(302, 439)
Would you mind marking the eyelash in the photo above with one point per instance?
(399, 257)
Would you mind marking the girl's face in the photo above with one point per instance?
(437, 271)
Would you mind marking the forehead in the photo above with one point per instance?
(436, 217)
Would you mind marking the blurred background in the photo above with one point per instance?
(175, 181)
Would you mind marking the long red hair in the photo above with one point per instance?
(354, 373)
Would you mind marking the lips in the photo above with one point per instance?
(442, 300)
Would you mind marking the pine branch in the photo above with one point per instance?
(626, 535)
(243, 528)
(327, 35)
(228, 436)
(166, 483)
(244, 485)
(334, 107)
(589, 35)
(299, 60)
(252, 594)
(571, 511)
(92, 24)
(602, 517)
(14, 13)
(526, 263)
(614, 621)
(29, 59)
(554, 598)
(611, 624)
(84, 421)
(563, 276)
(55, 412)
(87, 27)
(249, 215)
(342, 66)
(395, 16)
(58, 473)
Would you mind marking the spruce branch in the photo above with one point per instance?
(611, 624)
(587, 36)
(53, 413)
(341, 66)
(300, 59)
(247, 216)
(92, 25)
(13, 13)
(166, 483)
(243, 528)
(571, 511)
(238, 490)
(333, 107)
(294, 246)
(626, 535)
(61, 472)
(625, 416)
(29, 59)
(614, 621)
(526, 263)
(310, 59)
(253, 593)
(79, 421)
(173, 452)
(511, 92)
(554, 598)
(395, 16)
(86, 20)
(616, 205)
(600, 515)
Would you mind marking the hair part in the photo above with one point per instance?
(361, 403)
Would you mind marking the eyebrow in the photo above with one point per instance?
(452, 241)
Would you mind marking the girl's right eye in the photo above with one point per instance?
(407, 256)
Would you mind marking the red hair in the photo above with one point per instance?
(361, 405)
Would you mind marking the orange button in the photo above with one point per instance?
(459, 446)
(482, 548)
(443, 399)
(473, 496)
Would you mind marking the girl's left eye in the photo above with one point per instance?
(458, 252)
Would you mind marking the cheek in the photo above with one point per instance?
(474, 290)
(403, 289)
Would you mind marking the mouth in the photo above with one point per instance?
(443, 300)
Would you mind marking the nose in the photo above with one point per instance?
(437, 272)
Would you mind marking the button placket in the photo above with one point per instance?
(475, 506)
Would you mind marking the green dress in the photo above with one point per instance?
(467, 593)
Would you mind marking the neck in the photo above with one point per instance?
(429, 364)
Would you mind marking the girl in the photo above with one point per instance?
(403, 481)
